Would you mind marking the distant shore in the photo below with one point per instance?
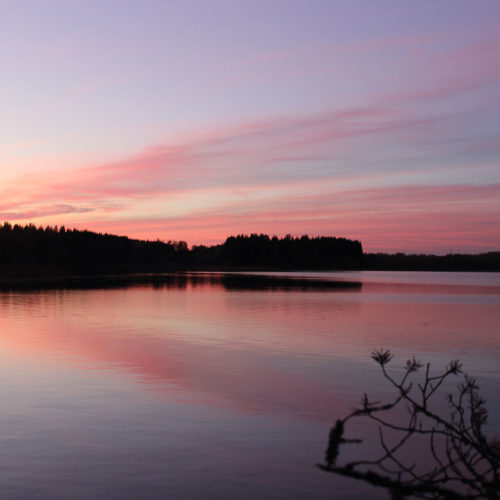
(233, 280)
(230, 278)
(33, 256)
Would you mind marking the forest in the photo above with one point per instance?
(32, 250)
(260, 250)
(489, 261)
(28, 249)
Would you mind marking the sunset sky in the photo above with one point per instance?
(377, 120)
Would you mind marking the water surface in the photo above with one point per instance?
(218, 386)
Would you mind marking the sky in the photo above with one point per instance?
(376, 120)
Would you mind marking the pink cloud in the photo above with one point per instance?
(406, 218)
(242, 156)
(368, 145)
(380, 217)
(43, 211)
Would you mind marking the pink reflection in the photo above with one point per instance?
(181, 351)
(250, 351)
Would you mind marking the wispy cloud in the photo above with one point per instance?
(407, 218)
(43, 211)
(333, 172)
(270, 151)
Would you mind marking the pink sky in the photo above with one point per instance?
(320, 118)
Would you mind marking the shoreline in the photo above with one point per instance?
(230, 277)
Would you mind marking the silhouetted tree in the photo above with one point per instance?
(71, 250)
(261, 251)
(489, 261)
(461, 462)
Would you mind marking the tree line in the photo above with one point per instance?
(489, 261)
(56, 249)
(34, 248)
(31, 249)
(260, 250)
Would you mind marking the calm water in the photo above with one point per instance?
(218, 386)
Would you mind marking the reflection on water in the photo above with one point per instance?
(213, 384)
(229, 281)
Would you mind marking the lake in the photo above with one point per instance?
(209, 385)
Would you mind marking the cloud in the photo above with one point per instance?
(264, 177)
(44, 211)
(270, 151)
(368, 171)
(406, 218)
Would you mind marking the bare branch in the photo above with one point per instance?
(462, 463)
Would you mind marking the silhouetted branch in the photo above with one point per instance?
(461, 463)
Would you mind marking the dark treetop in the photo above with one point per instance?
(30, 250)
